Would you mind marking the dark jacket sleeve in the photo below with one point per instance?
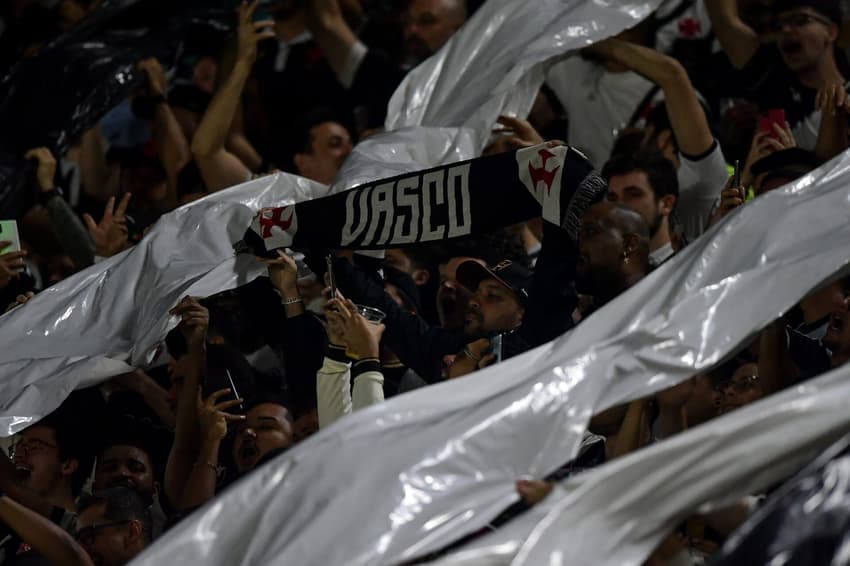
(303, 347)
(417, 344)
(374, 84)
(552, 298)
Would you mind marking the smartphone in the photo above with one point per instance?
(329, 259)
(496, 347)
(9, 233)
(218, 378)
(736, 176)
(769, 118)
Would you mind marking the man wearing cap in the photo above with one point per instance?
(786, 75)
(611, 255)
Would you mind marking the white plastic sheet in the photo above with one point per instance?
(409, 476)
(92, 325)
(628, 506)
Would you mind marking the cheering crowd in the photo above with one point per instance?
(703, 107)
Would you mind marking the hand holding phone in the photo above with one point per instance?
(771, 118)
(329, 260)
(11, 255)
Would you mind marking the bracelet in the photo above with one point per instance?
(468, 353)
(287, 302)
(208, 464)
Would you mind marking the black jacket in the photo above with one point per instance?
(421, 346)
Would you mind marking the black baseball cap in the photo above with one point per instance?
(512, 275)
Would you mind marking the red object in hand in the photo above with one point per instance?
(769, 118)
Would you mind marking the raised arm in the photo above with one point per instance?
(219, 167)
(189, 370)
(686, 114)
(332, 33)
(777, 369)
(72, 234)
(45, 537)
(834, 105)
(171, 143)
(213, 420)
(739, 41)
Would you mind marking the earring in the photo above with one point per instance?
(626, 258)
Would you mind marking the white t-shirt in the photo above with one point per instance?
(700, 184)
(691, 24)
(599, 103)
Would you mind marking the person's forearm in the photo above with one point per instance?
(331, 32)
(42, 535)
(628, 440)
(173, 149)
(368, 385)
(97, 177)
(671, 420)
(739, 41)
(156, 398)
(72, 234)
(776, 367)
(184, 450)
(214, 128)
(333, 388)
(832, 136)
(204, 476)
(683, 108)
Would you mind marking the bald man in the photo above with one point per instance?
(613, 251)
(430, 24)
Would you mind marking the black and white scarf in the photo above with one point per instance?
(451, 201)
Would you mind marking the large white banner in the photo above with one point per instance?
(111, 316)
(407, 477)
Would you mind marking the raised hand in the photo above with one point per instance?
(157, 83)
(832, 100)
(46, 167)
(361, 336)
(213, 417)
(336, 323)
(250, 33)
(110, 236)
(514, 134)
(534, 491)
(11, 263)
(283, 272)
(731, 197)
(195, 319)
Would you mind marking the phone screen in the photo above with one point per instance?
(9, 233)
(771, 117)
(496, 347)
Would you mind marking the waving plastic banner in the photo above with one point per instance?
(504, 46)
(804, 522)
(719, 462)
(407, 477)
(90, 326)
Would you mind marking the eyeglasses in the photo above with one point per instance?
(32, 445)
(740, 385)
(86, 535)
(797, 21)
